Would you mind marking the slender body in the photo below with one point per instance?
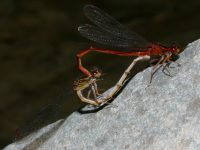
(152, 50)
(109, 32)
(85, 82)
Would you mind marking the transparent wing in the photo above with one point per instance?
(98, 35)
(111, 26)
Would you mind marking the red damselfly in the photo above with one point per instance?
(108, 31)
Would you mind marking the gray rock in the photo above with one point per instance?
(165, 115)
(36, 139)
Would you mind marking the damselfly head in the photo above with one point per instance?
(96, 73)
(85, 82)
(175, 49)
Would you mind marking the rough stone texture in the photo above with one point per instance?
(39, 41)
(165, 115)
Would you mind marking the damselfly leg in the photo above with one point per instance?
(109, 32)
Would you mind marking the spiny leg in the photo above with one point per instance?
(165, 58)
(93, 91)
(96, 89)
(165, 69)
(155, 68)
(153, 62)
(89, 83)
(167, 63)
(178, 64)
(89, 93)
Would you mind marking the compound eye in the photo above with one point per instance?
(95, 74)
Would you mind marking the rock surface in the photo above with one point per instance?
(165, 115)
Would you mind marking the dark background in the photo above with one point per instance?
(39, 41)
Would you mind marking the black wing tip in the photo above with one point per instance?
(80, 28)
(83, 27)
